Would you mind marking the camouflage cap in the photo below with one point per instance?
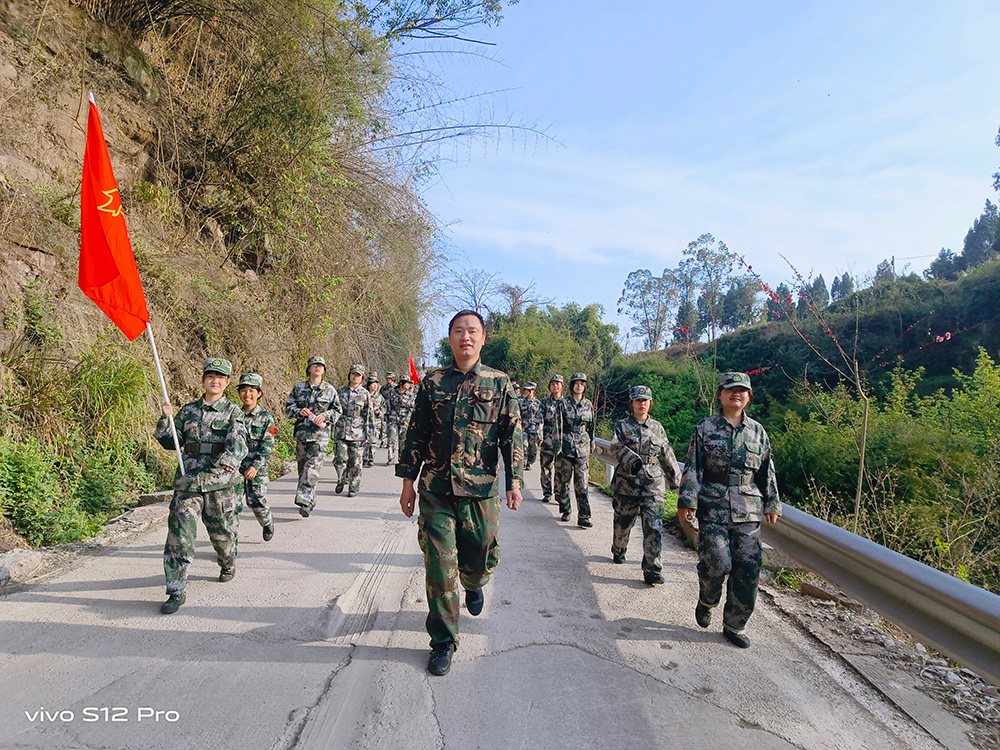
(581, 376)
(515, 384)
(735, 380)
(390, 375)
(357, 370)
(640, 392)
(372, 378)
(251, 379)
(555, 379)
(529, 386)
(405, 379)
(217, 364)
(315, 361)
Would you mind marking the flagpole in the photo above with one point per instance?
(166, 398)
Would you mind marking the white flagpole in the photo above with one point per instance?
(166, 398)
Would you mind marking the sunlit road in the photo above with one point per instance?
(319, 643)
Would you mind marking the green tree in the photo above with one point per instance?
(649, 300)
(979, 240)
(842, 287)
(945, 267)
(739, 308)
(708, 264)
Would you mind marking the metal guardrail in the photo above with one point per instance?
(958, 619)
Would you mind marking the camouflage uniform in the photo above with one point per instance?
(531, 422)
(551, 439)
(404, 409)
(355, 428)
(392, 425)
(729, 478)
(573, 457)
(646, 466)
(462, 423)
(260, 442)
(211, 437)
(311, 440)
(378, 436)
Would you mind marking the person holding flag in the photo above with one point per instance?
(213, 436)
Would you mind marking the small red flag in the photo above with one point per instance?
(108, 274)
(413, 371)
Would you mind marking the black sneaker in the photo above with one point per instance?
(268, 532)
(474, 600)
(304, 511)
(737, 639)
(339, 488)
(226, 575)
(584, 523)
(564, 516)
(173, 603)
(653, 579)
(618, 559)
(703, 615)
(440, 661)
(545, 498)
(352, 493)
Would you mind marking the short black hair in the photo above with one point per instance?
(462, 314)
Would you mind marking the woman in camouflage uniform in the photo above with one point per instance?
(252, 485)
(729, 478)
(646, 465)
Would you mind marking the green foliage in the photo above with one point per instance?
(40, 325)
(931, 467)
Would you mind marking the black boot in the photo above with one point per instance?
(440, 661)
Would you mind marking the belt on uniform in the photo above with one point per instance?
(730, 480)
(204, 448)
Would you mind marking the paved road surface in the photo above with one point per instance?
(319, 643)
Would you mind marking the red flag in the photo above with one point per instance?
(108, 274)
(413, 371)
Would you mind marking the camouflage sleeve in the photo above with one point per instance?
(335, 410)
(162, 432)
(687, 497)
(411, 457)
(671, 469)
(370, 420)
(266, 446)
(767, 481)
(511, 439)
(236, 441)
(628, 459)
(292, 407)
(592, 424)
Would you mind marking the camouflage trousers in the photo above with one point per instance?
(626, 508)
(254, 493)
(530, 449)
(731, 550)
(458, 537)
(369, 455)
(309, 457)
(547, 461)
(577, 470)
(347, 462)
(218, 512)
(392, 442)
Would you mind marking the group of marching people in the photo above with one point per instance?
(225, 449)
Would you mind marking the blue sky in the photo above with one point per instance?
(836, 134)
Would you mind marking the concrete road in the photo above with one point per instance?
(319, 642)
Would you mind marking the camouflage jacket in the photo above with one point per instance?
(210, 437)
(321, 400)
(378, 406)
(531, 416)
(405, 403)
(551, 424)
(260, 441)
(357, 423)
(391, 405)
(577, 427)
(462, 423)
(646, 462)
(729, 474)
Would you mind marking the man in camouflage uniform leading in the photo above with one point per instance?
(531, 423)
(378, 410)
(252, 485)
(314, 407)
(576, 414)
(729, 478)
(212, 438)
(646, 466)
(551, 433)
(354, 430)
(466, 416)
